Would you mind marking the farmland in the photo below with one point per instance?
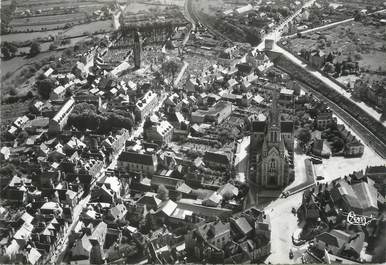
(44, 21)
(45, 15)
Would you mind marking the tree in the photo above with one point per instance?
(53, 47)
(170, 67)
(304, 136)
(8, 49)
(329, 68)
(35, 48)
(162, 193)
(84, 107)
(45, 87)
(330, 57)
(337, 143)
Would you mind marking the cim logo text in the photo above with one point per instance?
(354, 219)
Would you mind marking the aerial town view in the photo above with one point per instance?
(193, 132)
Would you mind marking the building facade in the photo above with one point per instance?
(60, 119)
(273, 156)
(146, 105)
(137, 162)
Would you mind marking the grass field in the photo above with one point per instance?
(73, 31)
(46, 20)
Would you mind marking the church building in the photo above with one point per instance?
(274, 150)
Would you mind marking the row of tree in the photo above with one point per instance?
(9, 49)
(85, 117)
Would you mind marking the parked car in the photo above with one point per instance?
(319, 178)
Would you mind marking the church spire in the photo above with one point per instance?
(274, 113)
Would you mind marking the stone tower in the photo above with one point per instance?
(137, 49)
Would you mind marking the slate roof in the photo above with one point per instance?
(136, 158)
(228, 189)
(217, 229)
(335, 238)
(357, 243)
(243, 225)
(366, 194)
(168, 182)
(167, 207)
(216, 158)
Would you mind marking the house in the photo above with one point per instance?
(159, 132)
(362, 197)
(74, 144)
(137, 162)
(20, 122)
(58, 122)
(169, 212)
(217, 114)
(37, 107)
(323, 119)
(203, 211)
(117, 142)
(318, 148)
(58, 93)
(37, 125)
(332, 241)
(118, 212)
(367, 197)
(353, 146)
(168, 182)
(217, 159)
(48, 72)
(81, 249)
(212, 200)
(150, 200)
(378, 175)
(244, 9)
(340, 243)
(286, 96)
(213, 235)
(228, 191)
(192, 85)
(146, 105)
(258, 60)
(242, 225)
(173, 103)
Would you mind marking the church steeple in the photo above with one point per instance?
(274, 113)
(274, 135)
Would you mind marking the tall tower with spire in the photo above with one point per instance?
(137, 49)
(272, 161)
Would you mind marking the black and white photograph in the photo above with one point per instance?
(192, 132)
